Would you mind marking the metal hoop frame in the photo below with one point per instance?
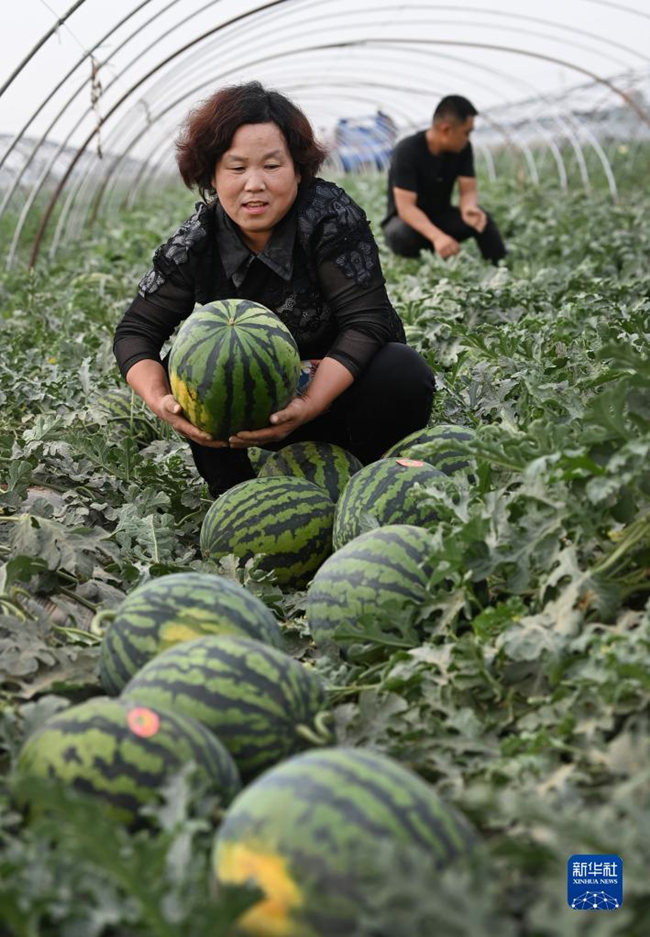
(363, 69)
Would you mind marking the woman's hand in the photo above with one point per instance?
(284, 422)
(149, 380)
(330, 381)
(170, 410)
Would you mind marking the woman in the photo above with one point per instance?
(270, 231)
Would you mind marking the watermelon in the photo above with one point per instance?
(124, 409)
(287, 519)
(321, 833)
(322, 463)
(174, 608)
(122, 752)
(255, 698)
(384, 492)
(381, 569)
(433, 445)
(232, 364)
(257, 457)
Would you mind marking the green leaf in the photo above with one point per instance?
(57, 546)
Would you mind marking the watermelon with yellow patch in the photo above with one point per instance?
(174, 608)
(322, 832)
(233, 364)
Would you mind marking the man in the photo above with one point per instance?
(424, 168)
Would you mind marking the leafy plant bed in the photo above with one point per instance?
(519, 687)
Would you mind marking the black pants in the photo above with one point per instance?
(389, 400)
(407, 242)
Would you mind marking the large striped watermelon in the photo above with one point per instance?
(385, 568)
(174, 608)
(434, 444)
(123, 752)
(287, 519)
(256, 699)
(323, 463)
(321, 833)
(233, 364)
(384, 492)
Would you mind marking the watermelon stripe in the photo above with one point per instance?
(244, 306)
(113, 731)
(397, 588)
(218, 347)
(283, 559)
(125, 657)
(284, 505)
(175, 684)
(258, 456)
(234, 383)
(258, 355)
(241, 389)
(272, 529)
(381, 798)
(125, 802)
(169, 691)
(415, 819)
(196, 346)
(156, 605)
(354, 572)
(390, 567)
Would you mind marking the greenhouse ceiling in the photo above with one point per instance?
(92, 94)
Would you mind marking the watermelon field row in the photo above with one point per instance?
(519, 688)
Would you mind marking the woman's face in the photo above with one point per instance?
(256, 181)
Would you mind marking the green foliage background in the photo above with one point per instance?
(521, 690)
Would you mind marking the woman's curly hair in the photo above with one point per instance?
(209, 129)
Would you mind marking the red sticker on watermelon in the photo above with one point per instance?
(143, 722)
(410, 463)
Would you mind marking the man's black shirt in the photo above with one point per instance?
(415, 168)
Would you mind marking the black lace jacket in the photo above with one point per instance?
(319, 272)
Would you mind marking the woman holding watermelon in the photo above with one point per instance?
(270, 231)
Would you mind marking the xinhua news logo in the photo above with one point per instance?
(595, 882)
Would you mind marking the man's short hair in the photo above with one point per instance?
(454, 107)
